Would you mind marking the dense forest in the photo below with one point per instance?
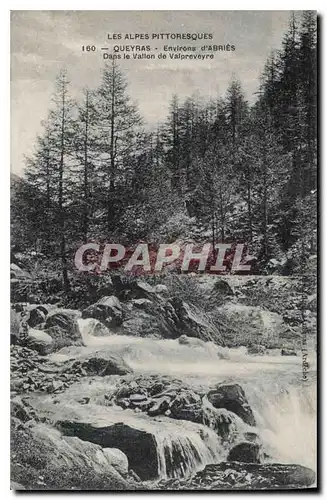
(220, 170)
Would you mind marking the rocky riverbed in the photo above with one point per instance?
(149, 389)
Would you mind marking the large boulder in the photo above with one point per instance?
(159, 407)
(18, 272)
(62, 326)
(187, 405)
(128, 388)
(142, 290)
(39, 341)
(157, 395)
(226, 424)
(43, 459)
(221, 288)
(168, 318)
(19, 410)
(107, 310)
(117, 459)
(147, 394)
(103, 363)
(143, 304)
(288, 352)
(144, 318)
(137, 444)
(141, 323)
(37, 316)
(63, 318)
(191, 321)
(245, 452)
(232, 398)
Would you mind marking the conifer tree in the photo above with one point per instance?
(120, 126)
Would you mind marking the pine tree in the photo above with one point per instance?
(173, 145)
(40, 174)
(236, 111)
(119, 123)
(63, 129)
(86, 142)
(308, 69)
(49, 172)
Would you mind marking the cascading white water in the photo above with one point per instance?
(184, 449)
(284, 406)
(286, 419)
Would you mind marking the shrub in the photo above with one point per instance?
(188, 289)
(178, 226)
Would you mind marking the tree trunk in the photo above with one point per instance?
(65, 279)
(249, 203)
(222, 215)
(86, 181)
(66, 285)
(48, 198)
(265, 207)
(111, 211)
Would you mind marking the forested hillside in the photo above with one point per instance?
(223, 170)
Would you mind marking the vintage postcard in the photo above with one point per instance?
(163, 250)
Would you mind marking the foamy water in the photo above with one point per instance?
(284, 405)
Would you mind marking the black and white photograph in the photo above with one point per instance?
(163, 250)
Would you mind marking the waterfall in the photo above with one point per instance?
(185, 449)
(286, 420)
(284, 405)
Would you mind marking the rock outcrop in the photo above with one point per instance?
(108, 310)
(137, 444)
(39, 341)
(156, 395)
(43, 459)
(100, 363)
(232, 398)
(37, 316)
(32, 372)
(18, 272)
(192, 322)
(245, 452)
(245, 476)
(288, 352)
(62, 326)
